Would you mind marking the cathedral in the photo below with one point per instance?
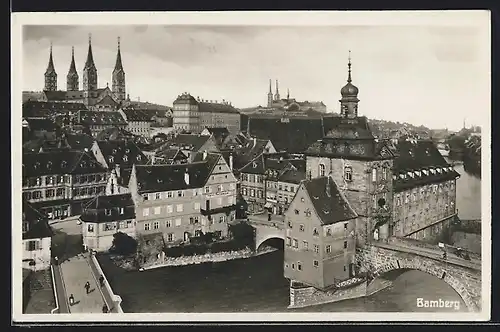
(93, 97)
(275, 101)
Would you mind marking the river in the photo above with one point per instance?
(257, 284)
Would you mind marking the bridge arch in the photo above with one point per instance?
(456, 284)
(268, 238)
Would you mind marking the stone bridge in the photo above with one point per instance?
(267, 229)
(379, 259)
(400, 255)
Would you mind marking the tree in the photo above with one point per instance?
(123, 244)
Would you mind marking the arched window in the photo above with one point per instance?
(374, 175)
(321, 170)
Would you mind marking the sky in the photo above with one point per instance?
(437, 76)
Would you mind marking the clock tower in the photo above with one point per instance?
(349, 101)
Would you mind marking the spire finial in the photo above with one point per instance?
(90, 38)
(287, 93)
(277, 90)
(51, 47)
(349, 80)
(118, 42)
(72, 51)
(270, 83)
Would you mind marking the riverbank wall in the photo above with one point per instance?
(206, 258)
(113, 301)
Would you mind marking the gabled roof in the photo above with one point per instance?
(292, 176)
(123, 153)
(41, 124)
(158, 178)
(100, 118)
(170, 154)
(293, 136)
(137, 115)
(107, 100)
(95, 211)
(191, 142)
(59, 162)
(38, 226)
(265, 163)
(79, 141)
(330, 205)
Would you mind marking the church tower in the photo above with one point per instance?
(349, 101)
(50, 74)
(270, 96)
(89, 73)
(118, 79)
(277, 95)
(72, 83)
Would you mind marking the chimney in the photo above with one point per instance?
(328, 186)
(205, 154)
(231, 161)
(186, 176)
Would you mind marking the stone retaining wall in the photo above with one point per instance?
(109, 295)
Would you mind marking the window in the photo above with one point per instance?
(179, 208)
(180, 193)
(145, 197)
(301, 227)
(108, 212)
(288, 241)
(158, 196)
(328, 249)
(50, 193)
(168, 223)
(295, 243)
(169, 194)
(305, 245)
(315, 232)
(299, 266)
(156, 225)
(328, 232)
(290, 225)
(407, 198)
(170, 208)
(170, 237)
(252, 192)
(207, 189)
(157, 209)
(145, 212)
(296, 211)
(321, 170)
(384, 173)
(122, 210)
(146, 226)
(348, 173)
(33, 245)
(316, 248)
(345, 244)
(196, 205)
(90, 228)
(374, 175)
(345, 226)
(292, 189)
(222, 219)
(315, 263)
(178, 222)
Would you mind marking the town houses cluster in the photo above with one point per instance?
(179, 172)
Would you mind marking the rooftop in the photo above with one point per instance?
(107, 209)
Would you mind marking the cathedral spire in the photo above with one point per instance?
(270, 83)
(72, 77)
(90, 58)
(277, 95)
(118, 64)
(50, 76)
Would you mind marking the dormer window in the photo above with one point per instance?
(433, 171)
(122, 210)
(125, 158)
(394, 177)
(107, 212)
(254, 164)
(425, 172)
(138, 157)
(439, 170)
(49, 165)
(36, 165)
(83, 164)
(321, 170)
(111, 159)
(64, 164)
(315, 232)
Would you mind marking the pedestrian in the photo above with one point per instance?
(444, 255)
(71, 299)
(101, 280)
(56, 260)
(104, 309)
(87, 287)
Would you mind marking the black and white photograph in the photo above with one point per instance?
(263, 166)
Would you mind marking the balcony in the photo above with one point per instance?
(222, 209)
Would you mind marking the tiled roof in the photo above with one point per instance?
(170, 154)
(145, 106)
(114, 134)
(100, 118)
(107, 100)
(191, 142)
(95, 211)
(123, 153)
(218, 132)
(263, 163)
(124, 177)
(79, 141)
(32, 95)
(38, 226)
(137, 115)
(292, 176)
(329, 204)
(357, 149)
(59, 162)
(63, 95)
(204, 107)
(41, 124)
(357, 128)
(415, 155)
(38, 108)
(293, 136)
(172, 177)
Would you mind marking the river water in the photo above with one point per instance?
(257, 284)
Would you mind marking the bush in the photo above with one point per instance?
(123, 244)
(243, 234)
